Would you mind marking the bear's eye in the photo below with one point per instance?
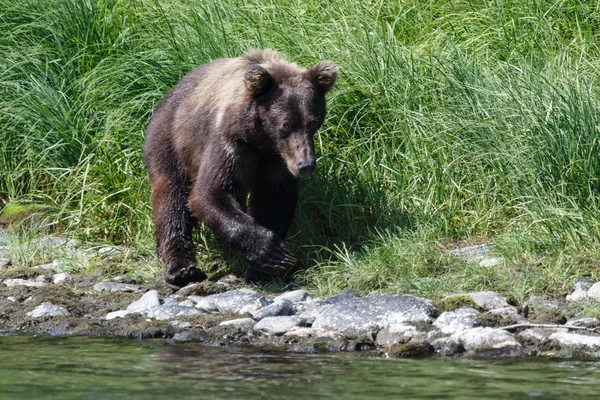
(285, 125)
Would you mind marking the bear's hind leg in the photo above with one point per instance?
(173, 231)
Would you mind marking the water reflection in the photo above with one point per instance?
(111, 368)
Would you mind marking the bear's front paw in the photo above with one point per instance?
(181, 276)
(275, 258)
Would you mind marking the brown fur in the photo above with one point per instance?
(228, 129)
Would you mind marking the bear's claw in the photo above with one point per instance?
(182, 276)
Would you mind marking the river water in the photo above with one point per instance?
(106, 368)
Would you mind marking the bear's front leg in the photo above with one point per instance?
(272, 204)
(262, 248)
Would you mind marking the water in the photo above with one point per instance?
(100, 368)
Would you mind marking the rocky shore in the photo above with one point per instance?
(45, 300)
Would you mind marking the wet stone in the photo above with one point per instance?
(168, 311)
(536, 336)
(480, 341)
(23, 282)
(47, 310)
(116, 287)
(300, 332)
(276, 309)
(360, 315)
(458, 320)
(278, 325)
(396, 334)
(230, 302)
(577, 343)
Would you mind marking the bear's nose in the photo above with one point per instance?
(306, 167)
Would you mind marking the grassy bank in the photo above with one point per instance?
(452, 120)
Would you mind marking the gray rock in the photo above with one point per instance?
(589, 322)
(395, 334)
(544, 302)
(300, 332)
(510, 310)
(583, 283)
(194, 298)
(577, 295)
(294, 296)
(473, 253)
(240, 323)
(492, 301)
(577, 343)
(230, 281)
(359, 315)
(61, 278)
(181, 324)
(108, 251)
(50, 266)
(23, 282)
(594, 291)
(583, 289)
(276, 309)
(230, 302)
(480, 341)
(485, 339)
(176, 299)
(116, 287)
(118, 314)
(341, 296)
(148, 301)
(491, 262)
(462, 319)
(278, 325)
(188, 289)
(187, 303)
(47, 310)
(12, 299)
(536, 336)
(168, 311)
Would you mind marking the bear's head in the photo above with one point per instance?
(290, 106)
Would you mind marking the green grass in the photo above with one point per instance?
(451, 119)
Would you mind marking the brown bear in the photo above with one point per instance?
(227, 147)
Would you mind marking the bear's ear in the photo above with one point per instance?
(323, 75)
(257, 80)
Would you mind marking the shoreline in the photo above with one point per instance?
(43, 301)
